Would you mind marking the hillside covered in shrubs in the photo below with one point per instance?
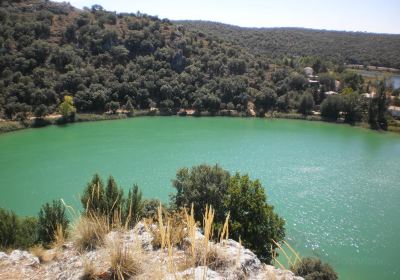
(58, 62)
(336, 46)
(110, 61)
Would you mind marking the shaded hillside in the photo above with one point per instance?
(337, 46)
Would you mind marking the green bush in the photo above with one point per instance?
(100, 200)
(8, 228)
(17, 232)
(50, 217)
(27, 234)
(201, 185)
(306, 104)
(314, 269)
(150, 207)
(133, 209)
(331, 107)
(252, 219)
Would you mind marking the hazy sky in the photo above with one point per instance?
(381, 16)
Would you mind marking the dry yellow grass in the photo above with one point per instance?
(89, 232)
(125, 260)
(42, 254)
(89, 271)
(225, 229)
(59, 237)
(191, 227)
(173, 220)
(292, 258)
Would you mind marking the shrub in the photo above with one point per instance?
(201, 185)
(51, 217)
(93, 196)
(252, 219)
(8, 228)
(314, 269)
(17, 232)
(124, 260)
(149, 208)
(133, 210)
(109, 201)
(331, 107)
(89, 232)
(306, 104)
(27, 232)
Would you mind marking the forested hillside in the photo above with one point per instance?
(337, 46)
(108, 61)
(55, 58)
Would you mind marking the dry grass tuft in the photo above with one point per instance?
(89, 232)
(215, 256)
(208, 221)
(59, 237)
(163, 236)
(89, 271)
(292, 258)
(225, 229)
(42, 254)
(125, 261)
(191, 231)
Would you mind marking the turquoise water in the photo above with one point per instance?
(337, 187)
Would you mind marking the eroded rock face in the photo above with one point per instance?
(229, 260)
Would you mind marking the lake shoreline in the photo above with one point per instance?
(11, 126)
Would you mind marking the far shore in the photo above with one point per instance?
(53, 119)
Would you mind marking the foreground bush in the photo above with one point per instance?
(8, 228)
(109, 201)
(314, 269)
(17, 232)
(52, 219)
(251, 218)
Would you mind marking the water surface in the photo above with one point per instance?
(337, 187)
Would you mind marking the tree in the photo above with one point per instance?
(40, 111)
(201, 185)
(113, 199)
(27, 234)
(93, 196)
(382, 104)
(112, 106)
(306, 104)
(67, 109)
(351, 107)
(17, 232)
(52, 217)
(8, 228)
(331, 107)
(314, 269)
(129, 108)
(252, 219)
(134, 206)
(266, 99)
(377, 108)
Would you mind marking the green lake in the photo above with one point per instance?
(337, 187)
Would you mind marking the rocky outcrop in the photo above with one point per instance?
(229, 260)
